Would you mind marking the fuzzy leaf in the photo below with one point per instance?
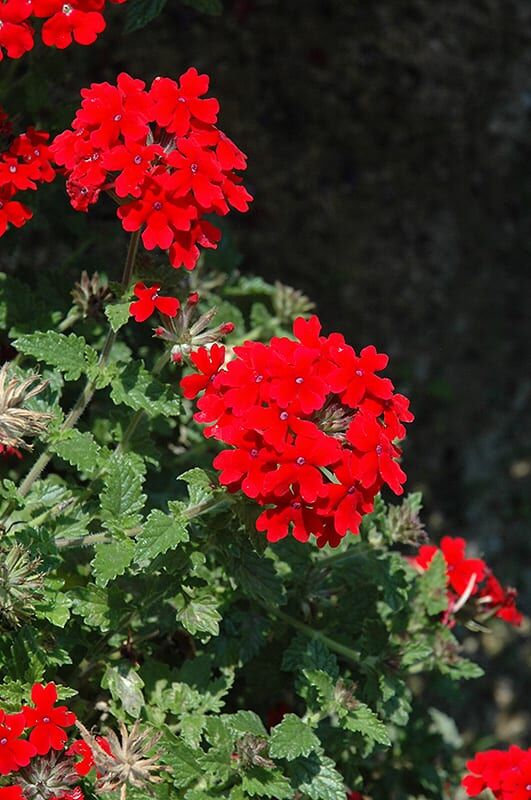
(139, 14)
(364, 721)
(67, 353)
(317, 778)
(432, 585)
(122, 497)
(118, 313)
(92, 603)
(260, 782)
(112, 559)
(292, 738)
(198, 612)
(79, 449)
(184, 762)
(125, 685)
(137, 388)
(159, 534)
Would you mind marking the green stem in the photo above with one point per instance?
(90, 387)
(139, 415)
(336, 647)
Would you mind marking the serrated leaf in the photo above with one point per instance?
(66, 353)
(200, 485)
(112, 559)
(364, 721)
(317, 778)
(292, 738)
(118, 313)
(185, 765)
(198, 612)
(432, 585)
(140, 13)
(260, 782)
(125, 685)
(57, 610)
(122, 497)
(137, 388)
(245, 722)
(159, 534)
(92, 603)
(79, 449)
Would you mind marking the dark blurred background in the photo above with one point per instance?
(389, 150)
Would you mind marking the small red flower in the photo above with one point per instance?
(47, 720)
(11, 793)
(11, 211)
(507, 773)
(14, 751)
(81, 748)
(503, 601)
(149, 300)
(208, 362)
(176, 105)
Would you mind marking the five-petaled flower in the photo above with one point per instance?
(149, 300)
(14, 751)
(47, 720)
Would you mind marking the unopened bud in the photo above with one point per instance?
(176, 357)
(193, 299)
(159, 331)
(227, 328)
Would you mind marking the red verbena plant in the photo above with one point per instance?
(235, 657)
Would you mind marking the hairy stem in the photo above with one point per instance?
(90, 387)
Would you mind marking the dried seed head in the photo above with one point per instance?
(290, 303)
(404, 523)
(249, 750)
(344, 693)
(20, 586)
(17, 422)
(91, 294)
(47, 777)
(131, 763)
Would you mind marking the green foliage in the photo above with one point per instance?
(157, 599)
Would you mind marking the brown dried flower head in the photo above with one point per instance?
(17, 422)
(21, 584)
(91, 294)
(131, 763)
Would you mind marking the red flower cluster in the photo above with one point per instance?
(78, 20)
(24, 164)
(470, 578)
(161, 155)
(507, 773)
(21, 758)
(311, 425)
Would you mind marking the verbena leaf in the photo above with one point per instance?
(118, 313)
(125, 685)
(160, 533)
(363, 720)
(92, 603)
(198, 612)
(245, 722)
(122, 497)
(67, 353)
(79, 449)
(317, 778)
(200, 485)
(292, 738)
(185, 764)
(140, 12)
(260, 782)
(112, 559)
(432, 585)
(137, 388)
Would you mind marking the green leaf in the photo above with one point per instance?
(125, 685)
(317, 778)
(92, 603)
(184, 762)
(118, 313)
(112, 559)
(66, 353)
(198, 611)
(140, 12)
(79, 449)
(57, 610)
(214, 7)
(122, 497)
(245, 722)
(200, 485)
(364, 721)
(292, 738)
(432, 584)
(159, 534)
(137, 388)
(260, 782)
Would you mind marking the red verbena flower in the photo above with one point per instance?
(469, 578)
(160, 154)
(507, 773)
(312, 461)
(14, 751)
(149, 300)
(16, 36)
(11, 793)
(47, 720)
